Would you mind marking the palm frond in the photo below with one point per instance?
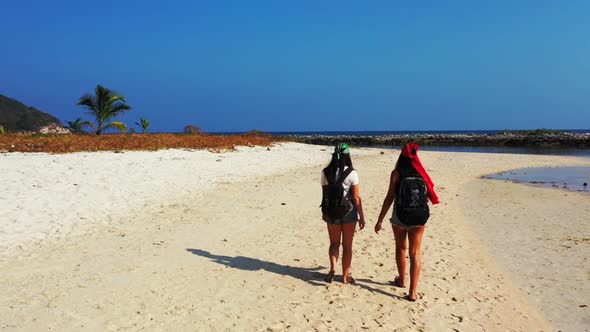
(89, 124)
(119, 126)
(115, 98)
(87, 100)
(77, 126)
(119, 108)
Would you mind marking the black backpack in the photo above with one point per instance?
(411, 203)
(332, 195)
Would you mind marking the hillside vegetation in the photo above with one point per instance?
(16, 116)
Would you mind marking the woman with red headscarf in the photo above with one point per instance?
(411, 188)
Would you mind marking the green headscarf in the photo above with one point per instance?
(342, 148)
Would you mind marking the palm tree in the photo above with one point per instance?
(104, 105)
(143, 124)
(77, 126)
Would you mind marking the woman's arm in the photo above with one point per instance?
(388, 200)
(356, 199)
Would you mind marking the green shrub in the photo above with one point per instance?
(190, 129)
(257, 133)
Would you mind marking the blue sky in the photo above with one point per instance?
(306, 65)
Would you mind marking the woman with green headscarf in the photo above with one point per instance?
(341, 209)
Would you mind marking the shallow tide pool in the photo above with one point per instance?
(567, 178)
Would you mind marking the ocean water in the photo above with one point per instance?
(566, 178)
(558, 151)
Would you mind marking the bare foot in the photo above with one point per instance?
(398, 282)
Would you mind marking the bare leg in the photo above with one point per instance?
(401, 246)
(415, 236)
(347, 236)
(334, 231)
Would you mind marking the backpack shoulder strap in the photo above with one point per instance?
(344, 175)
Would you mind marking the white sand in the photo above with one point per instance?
(49, 195)
(174, 240)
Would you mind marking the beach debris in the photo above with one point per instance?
(267, 149)
(283, 203)
(218, 160)
(382, 152)
(224, 240)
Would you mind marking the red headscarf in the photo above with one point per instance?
(410, 150)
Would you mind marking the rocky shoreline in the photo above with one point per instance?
(570, 140)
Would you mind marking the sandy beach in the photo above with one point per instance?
(196, 240)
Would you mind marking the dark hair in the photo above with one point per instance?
(404, 166)
(336, 166)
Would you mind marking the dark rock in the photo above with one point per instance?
(513, 140)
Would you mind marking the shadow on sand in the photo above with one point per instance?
(309, 275)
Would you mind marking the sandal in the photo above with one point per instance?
(330, 277)
(350, 279)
